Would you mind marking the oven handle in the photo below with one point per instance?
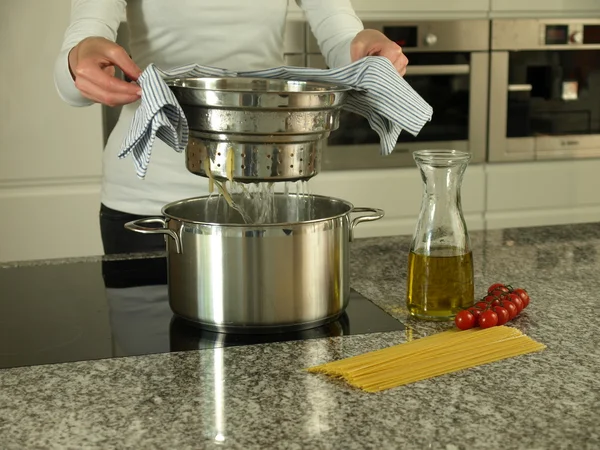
(519, 87)
(442, 69)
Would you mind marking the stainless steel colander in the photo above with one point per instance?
(293, 158)
(250, 129)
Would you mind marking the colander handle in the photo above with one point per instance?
(140, 226)
(376, 214)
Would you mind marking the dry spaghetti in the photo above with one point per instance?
(429, 357)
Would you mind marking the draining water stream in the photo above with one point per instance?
(256, 202)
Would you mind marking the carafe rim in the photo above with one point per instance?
(441, 156)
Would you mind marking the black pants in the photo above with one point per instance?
(116, 239)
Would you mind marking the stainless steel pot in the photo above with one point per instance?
(286, 275)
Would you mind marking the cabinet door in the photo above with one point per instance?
(398, 191)
(554, 192)
(50, 153)
(420, 6)
(558, 6)
(41, 136)
(368, 8)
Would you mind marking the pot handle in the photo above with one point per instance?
(376, 214)
(139, 226)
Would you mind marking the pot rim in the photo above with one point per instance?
(350, 206)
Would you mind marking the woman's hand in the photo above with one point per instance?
(375, 43)
(92, 63)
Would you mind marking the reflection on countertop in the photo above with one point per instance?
(259, 397)
(82, 311)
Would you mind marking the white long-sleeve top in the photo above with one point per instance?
(232, 34)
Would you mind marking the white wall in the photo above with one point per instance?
(50, 153)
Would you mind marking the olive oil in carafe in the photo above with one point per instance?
(440, 284)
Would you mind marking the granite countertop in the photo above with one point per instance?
(259, 396)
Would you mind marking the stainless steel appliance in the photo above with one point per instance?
(256, 129)
(288, 274)
(545, 89)
(449, 63)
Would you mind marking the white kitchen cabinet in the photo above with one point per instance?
(542, 193)
(557, 6)
(398, 192)
(470, 6)
(50, 153)
(493, 195)
(464, 9)
(403, 9)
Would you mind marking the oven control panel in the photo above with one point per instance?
(570, 34)
(545, 34)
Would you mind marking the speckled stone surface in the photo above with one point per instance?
(259, 396)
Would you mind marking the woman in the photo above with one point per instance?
(232, 34)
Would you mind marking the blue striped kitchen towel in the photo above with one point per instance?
(379, 94)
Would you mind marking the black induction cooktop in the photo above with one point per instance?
(96, 310)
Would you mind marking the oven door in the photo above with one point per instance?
(455, 84)
(544, 104)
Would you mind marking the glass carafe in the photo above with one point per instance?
(440, 262)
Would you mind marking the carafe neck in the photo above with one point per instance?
(441, 226)
(442, 184)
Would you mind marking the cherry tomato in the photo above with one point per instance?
(517, 301)
(511, 308)
(524, 296)
(499, 293)
(464, 320)
(476, 313)
(488, 319)
(495, 286)
(502, 313)
(482, 305)
(489, 298)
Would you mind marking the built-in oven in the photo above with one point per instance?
(448, 67)
(544, 89)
